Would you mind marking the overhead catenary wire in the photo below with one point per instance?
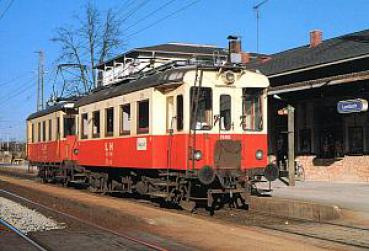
(163, 18)
(150, 14)
(6, 9)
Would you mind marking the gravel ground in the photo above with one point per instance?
(25, 219)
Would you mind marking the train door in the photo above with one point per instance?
(69, 133)
(174, 126)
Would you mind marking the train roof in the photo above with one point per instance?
(55, 108)
(157, 79)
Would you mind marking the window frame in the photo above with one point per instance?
(261, 110)
(230, 112)
(96, 135)
(109, 133)
(123, 132)
(50, 130)
(180, 117)
(44, 131)
(143, 130)
(210, 122)
(84, 133)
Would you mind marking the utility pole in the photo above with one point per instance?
(291, 145)
(40, 81)
(256, 9)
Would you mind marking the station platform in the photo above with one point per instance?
(347, 203)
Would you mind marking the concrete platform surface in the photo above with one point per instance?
(351, 196)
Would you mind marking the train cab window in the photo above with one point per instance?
(50, 130)
(143, 117)
(179, 113)
(96, 124)
(109, 121)
(202, 108)
(69, 126)
(252, 115)
(125, 119)
(43, 131)
(84, 126)
(225, 119)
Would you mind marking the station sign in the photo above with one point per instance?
(352, 105)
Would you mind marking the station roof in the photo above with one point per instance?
(334, 50)
(170, 49)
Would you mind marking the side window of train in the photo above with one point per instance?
(125, 119)
(225, 112)
(201, 103)
(39, 132)
(32, 133)
(109, 122)
(57, 127)
(69, 126)
(84, 126)
(43, 131)
(50, 130)
(170, 113)
(179, 112)
(96, 124)
(252, 116)
(143, 117)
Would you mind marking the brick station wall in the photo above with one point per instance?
(346, 169)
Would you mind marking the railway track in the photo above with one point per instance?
(352, 236)
(19, 233)
(143, 243)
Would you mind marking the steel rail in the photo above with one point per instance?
(126, 236)
(22, 235)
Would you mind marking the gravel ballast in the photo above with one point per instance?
(25, 219)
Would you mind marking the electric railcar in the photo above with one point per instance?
(188, 134)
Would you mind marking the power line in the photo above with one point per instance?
(132, 12)
(163, 18)
(151, 13)
(14, 79)
(6, 9)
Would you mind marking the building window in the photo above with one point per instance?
(143, 117)
(125, 119)
(96, 124)
(252, 115)
(84, 126)
(50, 130)
(179, 113)
(201, 108)
(356, 140)
(109, 121)
(69, 126)
(44, 131)
(225, 112)
(305, 141)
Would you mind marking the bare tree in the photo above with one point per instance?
(89, 43)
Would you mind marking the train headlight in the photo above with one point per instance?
(259, 155)
(229, 77)
(197, 155)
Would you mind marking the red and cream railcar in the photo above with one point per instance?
(186, 134)
(51, 138)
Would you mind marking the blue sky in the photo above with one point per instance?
(30, 24)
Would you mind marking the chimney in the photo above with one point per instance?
(316, 37)
(234, 49)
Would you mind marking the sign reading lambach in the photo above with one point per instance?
(353, 105)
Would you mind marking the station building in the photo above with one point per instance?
(313, 78)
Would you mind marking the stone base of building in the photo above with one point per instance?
(345, 169)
